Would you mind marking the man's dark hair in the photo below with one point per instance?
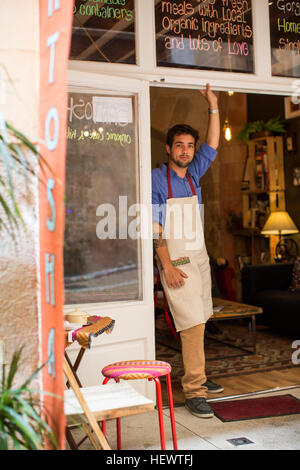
(181, 129)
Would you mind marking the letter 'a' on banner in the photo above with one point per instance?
(55, 37)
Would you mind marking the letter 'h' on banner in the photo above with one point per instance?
(55, 37)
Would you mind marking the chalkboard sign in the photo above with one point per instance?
(104, 31)
(285, 38)
(205, 34)
(101, 261)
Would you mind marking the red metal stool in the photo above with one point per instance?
(143, 369)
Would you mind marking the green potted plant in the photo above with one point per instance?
(21, 423)
(261, 129)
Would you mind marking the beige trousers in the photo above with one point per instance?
(192, 342)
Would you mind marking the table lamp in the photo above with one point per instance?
(280, 223)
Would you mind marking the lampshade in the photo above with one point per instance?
(279, 223)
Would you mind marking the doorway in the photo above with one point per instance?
(223, 196)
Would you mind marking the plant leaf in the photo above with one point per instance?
(14, 366)
(25, 428)
(23, 139)
(3, 440)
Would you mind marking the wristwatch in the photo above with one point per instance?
(213, 111)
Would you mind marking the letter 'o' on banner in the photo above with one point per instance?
(52, 116)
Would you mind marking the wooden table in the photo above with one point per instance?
(97, 326)
(233, 311)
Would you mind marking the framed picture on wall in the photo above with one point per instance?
(296, 176)
(292, 110)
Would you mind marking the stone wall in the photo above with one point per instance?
(19, 68)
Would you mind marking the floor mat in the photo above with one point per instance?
(254, 408)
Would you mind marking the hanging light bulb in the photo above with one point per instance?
(86, 131)
(230, 93)
(227, 130)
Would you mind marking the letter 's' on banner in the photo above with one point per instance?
(55, 37)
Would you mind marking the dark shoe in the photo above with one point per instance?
(212, 387)
(199, 407)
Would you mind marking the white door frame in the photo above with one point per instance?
(134, 328)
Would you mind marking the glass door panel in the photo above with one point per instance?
(102, 252)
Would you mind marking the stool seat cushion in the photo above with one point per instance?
(138, 369)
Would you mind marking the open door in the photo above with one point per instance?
(108, 259)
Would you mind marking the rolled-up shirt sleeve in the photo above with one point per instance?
(203, 158)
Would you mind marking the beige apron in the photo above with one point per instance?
(190, 304)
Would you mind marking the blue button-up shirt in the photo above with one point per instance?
(180, 186)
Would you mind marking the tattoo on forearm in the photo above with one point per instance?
(158, 240)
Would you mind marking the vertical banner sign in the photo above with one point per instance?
(55, 36)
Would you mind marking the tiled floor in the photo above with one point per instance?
(141, 432)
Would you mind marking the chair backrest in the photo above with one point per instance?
(89, 415)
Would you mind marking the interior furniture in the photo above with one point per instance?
(222, 286)
(222, 281)
(150, 370)
(264, 173)
(97, 403)
(229, 310)
(280, 223)
(268, 287)
(223, 310)
(263, 191)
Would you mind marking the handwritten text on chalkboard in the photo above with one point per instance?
(104, 31)
(285, 38)
(211, 33)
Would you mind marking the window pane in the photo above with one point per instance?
(104, 31)
(285, 43)
(102, 258)
(199, 34)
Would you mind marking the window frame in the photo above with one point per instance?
(261, 81)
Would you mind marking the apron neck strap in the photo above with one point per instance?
(170, 192)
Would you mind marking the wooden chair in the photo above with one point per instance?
(100, 403)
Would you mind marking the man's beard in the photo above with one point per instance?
(179, 162)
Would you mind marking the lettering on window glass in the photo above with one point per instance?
(285, 38)
(102, 260)
(104, 31)
(205, 34)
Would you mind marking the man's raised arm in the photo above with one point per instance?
(213, 130)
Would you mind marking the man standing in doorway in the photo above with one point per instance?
(180, 248)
